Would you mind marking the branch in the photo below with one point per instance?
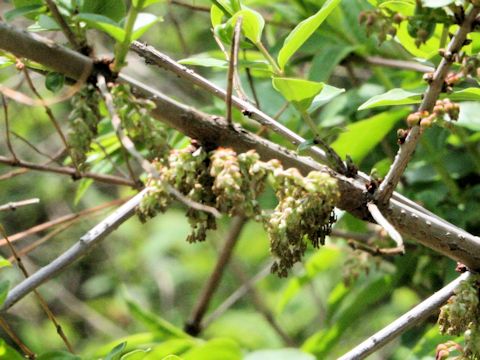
(408, 218)
(406, 321)
(399, 64)
(79, 249)
(107, 179)
(431, 95)
(61, 220)
(193, 325)
(63, 24)
(14, 205)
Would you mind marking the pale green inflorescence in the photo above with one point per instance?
(83, 120)
(461, 315)
(232, 183)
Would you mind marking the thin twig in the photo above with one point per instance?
(63, 25)
(33, 147)
(261, 307)
(7, 128)
(236, 295)
(108, 179)
(78, 250)
(61, 220)
(399, 64)
(49, 113)
(383, 222)
(29, 248)
(14, 205)
(194, 324)
(232, 66)
(28, 353)
(388, 185)
(40, 298)
(406, 321)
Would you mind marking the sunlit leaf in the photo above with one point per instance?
(216, 349)
(361, 137)
(58, 355)
(436, 3)
(326, 95)
(138, 354)
(303, 31)
(168, 347)
(469, 94)
(143, 22)
(252, 24)
(298, 91)
(8, 353)
(279, 354)
(104, 24)
(116, 352)
(392, 97)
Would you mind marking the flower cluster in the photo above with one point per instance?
(137, 122)
(304, 212)
(461, 315)
(232, 183)
(83, 124)
(426, 119)
(380, 23)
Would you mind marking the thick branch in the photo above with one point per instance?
(431, 95)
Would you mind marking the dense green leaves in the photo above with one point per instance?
(303, 31)
(112, 9)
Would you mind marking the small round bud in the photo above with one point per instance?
(413, 119)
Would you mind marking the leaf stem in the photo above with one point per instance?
(121, 48)
(269, 58)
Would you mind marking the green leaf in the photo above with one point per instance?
(469, 94)
(54, 81)
(45, 23)
(138, 354)
(298, 91)
(4, 286)
(104, 24)
(116, 352)
(216, 349)
(173, 346)
(252, 24)
(326, 95)
(8, 353)
(361, 137)
(58, 355)
(4, 262)
(112, 9)
(425, 51)
(279, 354)
(303, 31)
(216, 16)
(392, 97)
(30, 11)
(306, 145)
(5, 62)
(437, 3)
(143, 22)
(155, 323)
(468, 117)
